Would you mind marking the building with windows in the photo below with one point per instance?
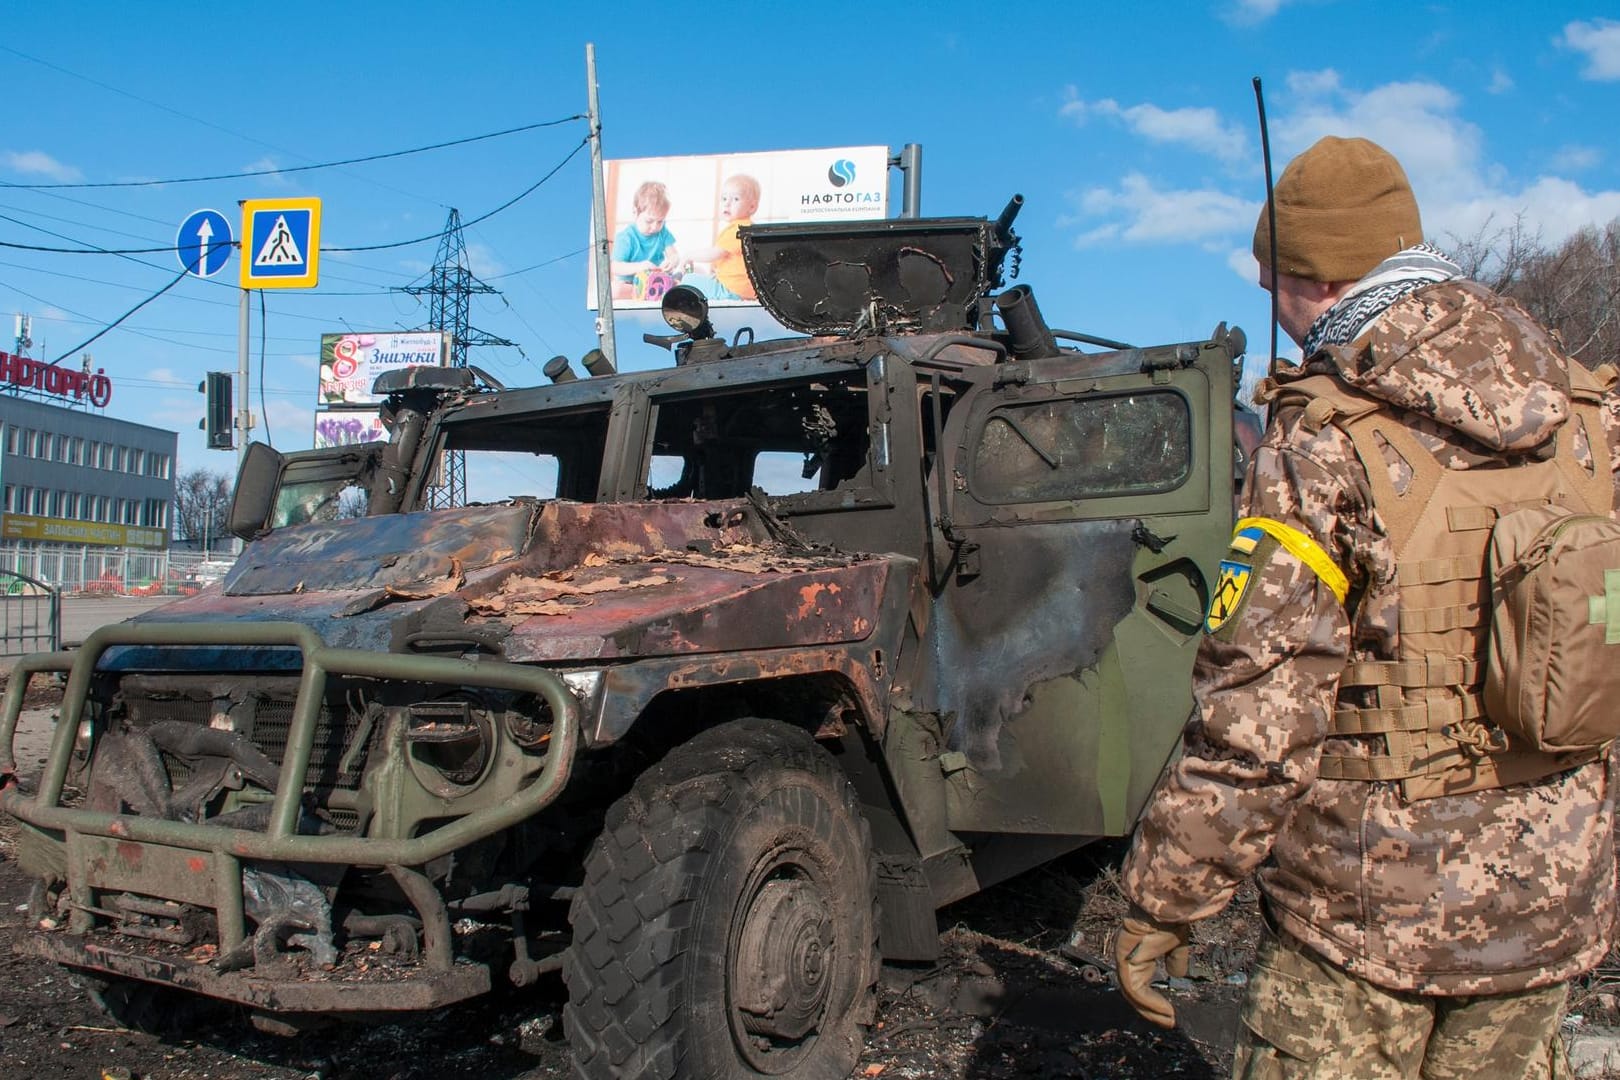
(88, 498)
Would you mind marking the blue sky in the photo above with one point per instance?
(1129, 129)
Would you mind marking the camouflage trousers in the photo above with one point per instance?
(1305, 1019)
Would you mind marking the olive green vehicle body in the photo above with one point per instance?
(982, 597)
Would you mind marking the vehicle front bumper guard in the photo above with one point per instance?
(211, 856)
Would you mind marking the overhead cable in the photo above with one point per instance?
(93, 337)
(294, 168)
(481, 217)
(364, 247)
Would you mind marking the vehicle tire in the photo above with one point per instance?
(726, 928)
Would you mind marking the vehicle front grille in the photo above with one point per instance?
(268, 722)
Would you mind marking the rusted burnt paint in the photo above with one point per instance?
(391, 551)
(631, 688)
(130, 855)
(704, 609)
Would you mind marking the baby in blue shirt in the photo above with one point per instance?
(646, 244)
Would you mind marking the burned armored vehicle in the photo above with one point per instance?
(740, 669)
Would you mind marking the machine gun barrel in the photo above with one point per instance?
(1004, 231)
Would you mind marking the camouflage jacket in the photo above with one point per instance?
(1488, 892)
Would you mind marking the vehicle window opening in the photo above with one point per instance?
(784, 439)
(559, 456)
(1123, 444)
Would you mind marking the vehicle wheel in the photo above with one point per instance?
(149, 1008)
(726, 928)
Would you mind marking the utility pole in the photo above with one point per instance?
(450, 287)
(604, 242)
(244, 411)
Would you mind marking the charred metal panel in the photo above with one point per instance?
(654, 607)
(889, 276)
(1045, 604)
(381, 552)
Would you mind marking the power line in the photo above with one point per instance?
(92, 250)
(112, 325)
(538, 265)
(297, 168)
(482, 217)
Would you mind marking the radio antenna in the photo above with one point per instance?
(1271, 213)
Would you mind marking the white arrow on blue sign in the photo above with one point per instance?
(204, 243)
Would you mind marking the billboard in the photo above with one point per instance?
(351, 362)
(674, 220)
(345, 427)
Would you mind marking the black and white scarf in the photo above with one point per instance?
(1402, 273)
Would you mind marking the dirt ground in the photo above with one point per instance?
(1012, 996)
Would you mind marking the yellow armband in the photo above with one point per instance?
(1246, 534)
(1237, 569)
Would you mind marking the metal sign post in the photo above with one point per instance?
(604, 242)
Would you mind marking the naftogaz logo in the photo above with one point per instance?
(841, 172)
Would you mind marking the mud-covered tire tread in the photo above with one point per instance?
(632, 918)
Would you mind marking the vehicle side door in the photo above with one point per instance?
(1088, 502)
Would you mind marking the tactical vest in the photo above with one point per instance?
(1426, 703)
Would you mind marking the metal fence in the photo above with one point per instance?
(82, 569)
(30, 616)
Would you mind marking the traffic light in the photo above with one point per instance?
(216, 420)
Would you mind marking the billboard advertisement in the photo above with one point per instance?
(351, 362)
(674, 220)
(345, 427)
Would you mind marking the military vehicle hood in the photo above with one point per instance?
(1465, 357)
(554, 582)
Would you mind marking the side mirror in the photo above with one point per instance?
(255, 495)
(687, 312)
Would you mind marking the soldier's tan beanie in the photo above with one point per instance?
(1343, 207)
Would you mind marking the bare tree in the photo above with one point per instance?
(202, 503)
(1573, 289)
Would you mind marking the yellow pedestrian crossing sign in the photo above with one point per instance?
(281, 243)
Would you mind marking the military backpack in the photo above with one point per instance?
(1508, 581)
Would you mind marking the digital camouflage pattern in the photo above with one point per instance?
(1307, 1020)
(1485, 893)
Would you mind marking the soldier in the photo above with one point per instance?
(1428, 888)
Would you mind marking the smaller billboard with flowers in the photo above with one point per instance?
(350, 363)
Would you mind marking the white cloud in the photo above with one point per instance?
(1575, 158)
(1250, 12)
(1501, 82)
(1241, 262)
(1458, 187)
(1599, 40)
(483, 262)
(39, 163)
(1552, 207)
(1415, 121)
(1140, 213)
(268, 168)
(1198, 128)
(1443, 155)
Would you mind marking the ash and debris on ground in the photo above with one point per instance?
(1023, 988)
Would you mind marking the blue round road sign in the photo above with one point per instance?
(204, 243)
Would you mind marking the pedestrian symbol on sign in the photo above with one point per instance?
(280, 249)
(281, 243)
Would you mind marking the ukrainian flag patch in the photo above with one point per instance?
(1244, 541)
(1230, 588)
